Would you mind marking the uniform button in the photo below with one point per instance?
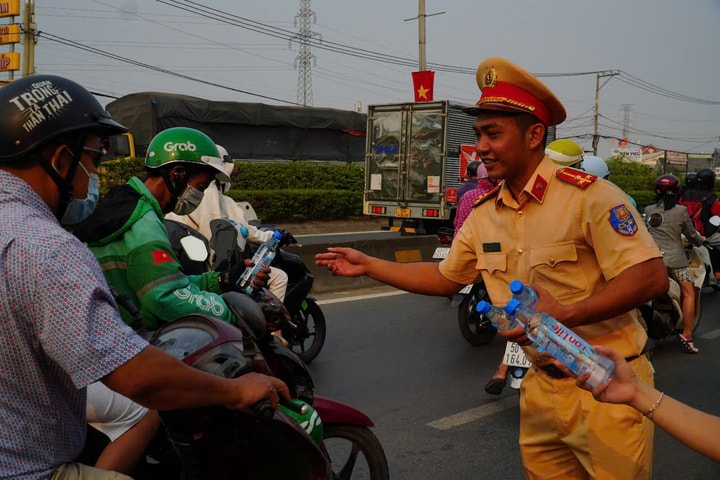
(551, 261)
(520, 251)
(520, 213)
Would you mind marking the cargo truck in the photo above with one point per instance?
(415, 159)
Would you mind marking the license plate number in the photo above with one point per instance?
(515, 356)
(402, 212)
(441, 252)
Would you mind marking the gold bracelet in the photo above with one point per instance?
(655, 405)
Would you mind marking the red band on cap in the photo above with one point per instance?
(515, 97)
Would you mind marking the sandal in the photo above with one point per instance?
(495, 386)
(688, 345)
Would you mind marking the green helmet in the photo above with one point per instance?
(310, 422)
(565, 152)
(184, 145)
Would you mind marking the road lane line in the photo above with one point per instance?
(474, 414)
(360, 297)
(711, 335)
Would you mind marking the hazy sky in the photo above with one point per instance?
(669, 47)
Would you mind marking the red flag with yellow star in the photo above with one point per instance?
(423, 84)
(161, 256)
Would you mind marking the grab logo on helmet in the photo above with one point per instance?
(180, 147)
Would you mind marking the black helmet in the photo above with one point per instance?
(38, 108)
(706, 179)
(691, 180)
(667, 185)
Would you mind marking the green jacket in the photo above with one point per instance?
(127, 235)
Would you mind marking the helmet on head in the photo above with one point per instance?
(667, 185)
(565, 152)
(595, 166)
(228, 166)
(39, 108)
(691, 180)
(476, 169)
(706, 179)
(181, 145)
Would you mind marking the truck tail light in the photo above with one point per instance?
(431, 212)
(377, 210)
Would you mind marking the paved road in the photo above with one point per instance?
(401, 359)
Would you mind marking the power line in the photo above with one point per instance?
(97, 51)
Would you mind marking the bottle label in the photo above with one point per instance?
(567, 336)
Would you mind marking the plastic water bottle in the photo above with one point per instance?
(563, 344)
(261, 259)
(524, 294)
(497, 316)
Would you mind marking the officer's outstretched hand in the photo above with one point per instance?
(344, 262)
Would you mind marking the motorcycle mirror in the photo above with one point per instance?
(194, 248)
(715, 221)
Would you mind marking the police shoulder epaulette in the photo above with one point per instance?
(492, 193)
(576, 177)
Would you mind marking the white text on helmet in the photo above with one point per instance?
(180, 147)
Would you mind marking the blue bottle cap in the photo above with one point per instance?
(512, 306)
(516, 286)
(277, 235)
(483, 307)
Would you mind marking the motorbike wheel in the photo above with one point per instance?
(309, 337)
(355, 452)
(474, 327)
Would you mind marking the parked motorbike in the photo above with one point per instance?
(475, 328)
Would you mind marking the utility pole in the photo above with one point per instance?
(626, 119)
(304, 59)
(28, 38)
(421, 32)
(608, 73)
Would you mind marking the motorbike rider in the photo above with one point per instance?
(61, 327)
(667, 221)
(215, 204)
(473, 172)
(702, 204)
(127, 235)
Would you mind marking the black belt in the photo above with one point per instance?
(554, 372)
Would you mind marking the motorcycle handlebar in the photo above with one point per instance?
(265, 411)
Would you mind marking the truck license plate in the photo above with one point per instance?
(441, 252)
(515, 356)
(402, 212)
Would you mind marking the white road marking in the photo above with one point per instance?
(711, 335)
(474, 414)
(360, 297)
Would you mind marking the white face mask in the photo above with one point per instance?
(188, 201)
(80, 208)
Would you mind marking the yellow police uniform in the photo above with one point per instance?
(570, 233)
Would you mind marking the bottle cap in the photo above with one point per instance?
(512, 306)
(483, 307)
(277, 235)
(516, 286)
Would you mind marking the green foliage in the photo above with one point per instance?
(301, 205)
(296, 175)
(119, 171)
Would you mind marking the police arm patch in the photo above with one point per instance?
(623, 221)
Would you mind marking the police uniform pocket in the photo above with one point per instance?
(557, 267)
(492, 262)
